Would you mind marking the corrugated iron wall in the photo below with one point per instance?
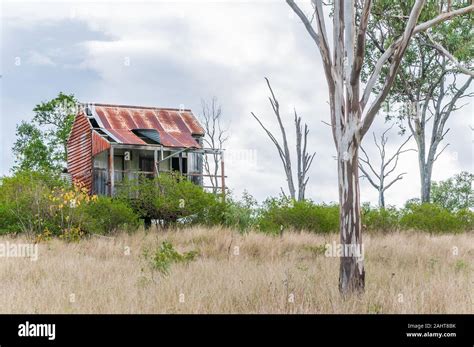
(99, 144)
(79, 151)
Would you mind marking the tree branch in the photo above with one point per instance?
(398, 48)
(448, 55)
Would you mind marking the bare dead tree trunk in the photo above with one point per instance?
(342, 69)
(377, 178)
(216, 136)
(304, 159)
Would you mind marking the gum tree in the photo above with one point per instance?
(433, 80)
(353, 108)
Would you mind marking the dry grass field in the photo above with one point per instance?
(233, 273)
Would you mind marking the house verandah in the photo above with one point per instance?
(126, 162)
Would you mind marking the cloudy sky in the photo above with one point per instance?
(172, 54)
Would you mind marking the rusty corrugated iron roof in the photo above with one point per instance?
(176, 127)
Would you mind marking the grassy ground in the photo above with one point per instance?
(233, 273)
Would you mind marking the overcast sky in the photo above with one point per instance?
(173, 54)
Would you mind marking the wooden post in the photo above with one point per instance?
(222, 176)
(111, 171)
(161, 156)
(156, 164)
(180, 159)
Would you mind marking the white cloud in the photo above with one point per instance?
(38, 59)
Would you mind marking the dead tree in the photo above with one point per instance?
(379, 178)
(353, 110)
(216, 136)
(304, 159)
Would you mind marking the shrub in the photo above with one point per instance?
(24, 203)
(45, 206)
(466, 219)
(9, 222)
(167, 198)
(66, 211)
(380, 219)
(72, 234)
(434, 219)
(284, 213)
(105, 215)
(166, 255)
(239, 214)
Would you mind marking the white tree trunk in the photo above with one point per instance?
(351, 271)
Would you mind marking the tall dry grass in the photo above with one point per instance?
(252, 273)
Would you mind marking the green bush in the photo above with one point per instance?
(165, 256)
(380, 219)
(435, 219)
(8, 220)
(239, 214)
(24, 203)
(465, 218)
(168, 198)
(285, 213)
(44, 206)
(105, 215)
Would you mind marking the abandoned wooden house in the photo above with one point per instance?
(111, 143)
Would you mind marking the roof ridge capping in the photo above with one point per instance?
(135, 106)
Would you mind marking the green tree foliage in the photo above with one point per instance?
(42, 143)
(455, 193)
(32, 152)
(430, 86)
(389, 22)
(57, 117)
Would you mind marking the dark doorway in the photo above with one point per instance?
(119, 167)
(175, 164)
(146, 165)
